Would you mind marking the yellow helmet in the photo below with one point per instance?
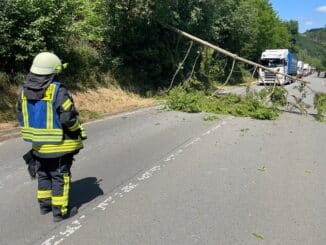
(47, 63)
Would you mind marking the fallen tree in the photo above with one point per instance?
(320, 102)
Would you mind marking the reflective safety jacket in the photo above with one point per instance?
(39, 122)
(50, 123)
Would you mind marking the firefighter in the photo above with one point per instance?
(48, 119)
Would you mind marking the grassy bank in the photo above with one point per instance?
(8, 97)
(91, 104)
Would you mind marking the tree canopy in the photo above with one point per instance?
(129, 37)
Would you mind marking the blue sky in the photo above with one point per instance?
(309, 13)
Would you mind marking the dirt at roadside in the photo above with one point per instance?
(91, 105)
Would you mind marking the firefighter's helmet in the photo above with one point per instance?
(47, 63)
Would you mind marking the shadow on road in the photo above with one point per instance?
(85, 190)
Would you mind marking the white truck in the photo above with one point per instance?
(278, 60)
(306, 69)
(300, 69)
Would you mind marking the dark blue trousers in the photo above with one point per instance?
(54, 180)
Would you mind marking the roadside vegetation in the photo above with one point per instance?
(263, 105)
(127, 44)
(312, 47)
(8, 98)
(320, 105)
(92, 104)
(108, 100)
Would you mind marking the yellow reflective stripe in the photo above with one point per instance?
(40, 131)
(23, 97)
(49, 93)
(42, 135)
(83, 133)
(67, 104)
(63, 200)
(50, 139)
(42, 194)
(66, 188)
(49, 115)
(75, 127)
(57, 150)
(65, 146)
(24, 110)
(59, 200)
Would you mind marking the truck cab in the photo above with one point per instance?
(278, 60)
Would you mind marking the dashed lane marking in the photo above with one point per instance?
(77, 224)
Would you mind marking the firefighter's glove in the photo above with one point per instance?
(31, 164)
(83, 133)
(32, 169)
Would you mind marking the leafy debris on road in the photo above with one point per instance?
(249, 105)
(210, 118)
(320, 105)
(244, 131)
(308, 171)
(163, 108)
(258, 236)
(262, 168)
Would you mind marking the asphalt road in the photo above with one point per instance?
(162, 177)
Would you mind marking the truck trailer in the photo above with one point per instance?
(278, 60)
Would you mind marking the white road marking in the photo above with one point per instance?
(170, 158)
(129, 188)
(192, 142)
(144, 176)
(102, 206)
(118, 194)
(48, 241)
(69, 230)
(59, 241)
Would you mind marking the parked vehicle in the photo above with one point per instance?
(278, 60)
(306, 69)
(300, 68)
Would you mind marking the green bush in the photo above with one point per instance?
(278, 96)
(8, 98)
(236, 105)
(181, 100)
(320, 105)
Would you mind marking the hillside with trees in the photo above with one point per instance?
(130, 37)
(312, 46)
